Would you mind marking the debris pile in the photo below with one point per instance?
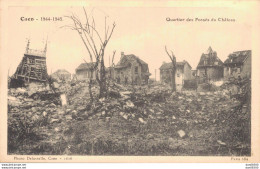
(151, 113)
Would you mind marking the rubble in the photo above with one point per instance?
(221, 142)
(133, 108)
(181, 133)
(142, 120)
(63, 100)
(44, 114)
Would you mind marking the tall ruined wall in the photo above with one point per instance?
(246, 68)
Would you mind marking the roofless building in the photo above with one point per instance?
(33, 67)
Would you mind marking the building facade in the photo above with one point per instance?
(210, 67)
(85, 71)
(183, 72)
(131, 70)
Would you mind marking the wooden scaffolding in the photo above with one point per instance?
(33, 65)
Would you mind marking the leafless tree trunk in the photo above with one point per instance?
(90, 85)
(173, 59)
(101, 77)
(90, 82)
(95, 45)
(112, 66)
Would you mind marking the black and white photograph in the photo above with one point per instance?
(129, 79)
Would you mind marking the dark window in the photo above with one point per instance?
(136, 69)
(31, 60)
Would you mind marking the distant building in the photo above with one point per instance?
(85, 70)
(183, 72)
(238, 64)
(210, 67)
(33, 67)
(61, 75)
(131, 70)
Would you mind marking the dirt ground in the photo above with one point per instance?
(132, 120)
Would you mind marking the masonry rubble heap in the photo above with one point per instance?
(140, 104)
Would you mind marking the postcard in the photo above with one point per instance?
(130, 81)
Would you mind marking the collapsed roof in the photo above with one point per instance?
(237, 57)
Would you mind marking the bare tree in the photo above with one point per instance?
(173, 59)
(95, 45)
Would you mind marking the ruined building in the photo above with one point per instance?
(238, 64)
(33, 67)
(86, 71)
(210, 67)
(131, 70)
(183, 72)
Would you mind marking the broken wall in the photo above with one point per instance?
(213, 73)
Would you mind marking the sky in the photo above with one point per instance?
(142, 31)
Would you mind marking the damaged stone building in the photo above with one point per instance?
(85, 70)
(131, 70)
(33, 67)
(183, 72)
(210, 67)
(238, 64)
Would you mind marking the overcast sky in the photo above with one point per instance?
(142, 31)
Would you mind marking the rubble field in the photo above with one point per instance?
(132, 120)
